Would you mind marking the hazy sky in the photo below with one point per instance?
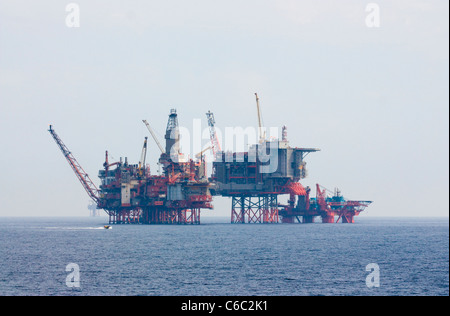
(374, 100)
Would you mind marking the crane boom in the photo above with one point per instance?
(202, 152)
(143, 155)
(215, 145)
(87, 183)
(154, 136)
(262, 134)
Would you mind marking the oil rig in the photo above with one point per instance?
(254, 180)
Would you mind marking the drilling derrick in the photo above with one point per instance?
(172, 137)
(187, 185)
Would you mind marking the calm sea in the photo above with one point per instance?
(217, 258)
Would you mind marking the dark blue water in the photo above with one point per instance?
(223, 259)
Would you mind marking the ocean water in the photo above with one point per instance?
(217, 258)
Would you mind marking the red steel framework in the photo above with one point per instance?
(155, 216)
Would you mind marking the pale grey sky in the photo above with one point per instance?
(374, 100)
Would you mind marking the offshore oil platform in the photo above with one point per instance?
(254, 180)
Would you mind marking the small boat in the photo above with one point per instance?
(107, 227)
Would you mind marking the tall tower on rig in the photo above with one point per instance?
(173, 136)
